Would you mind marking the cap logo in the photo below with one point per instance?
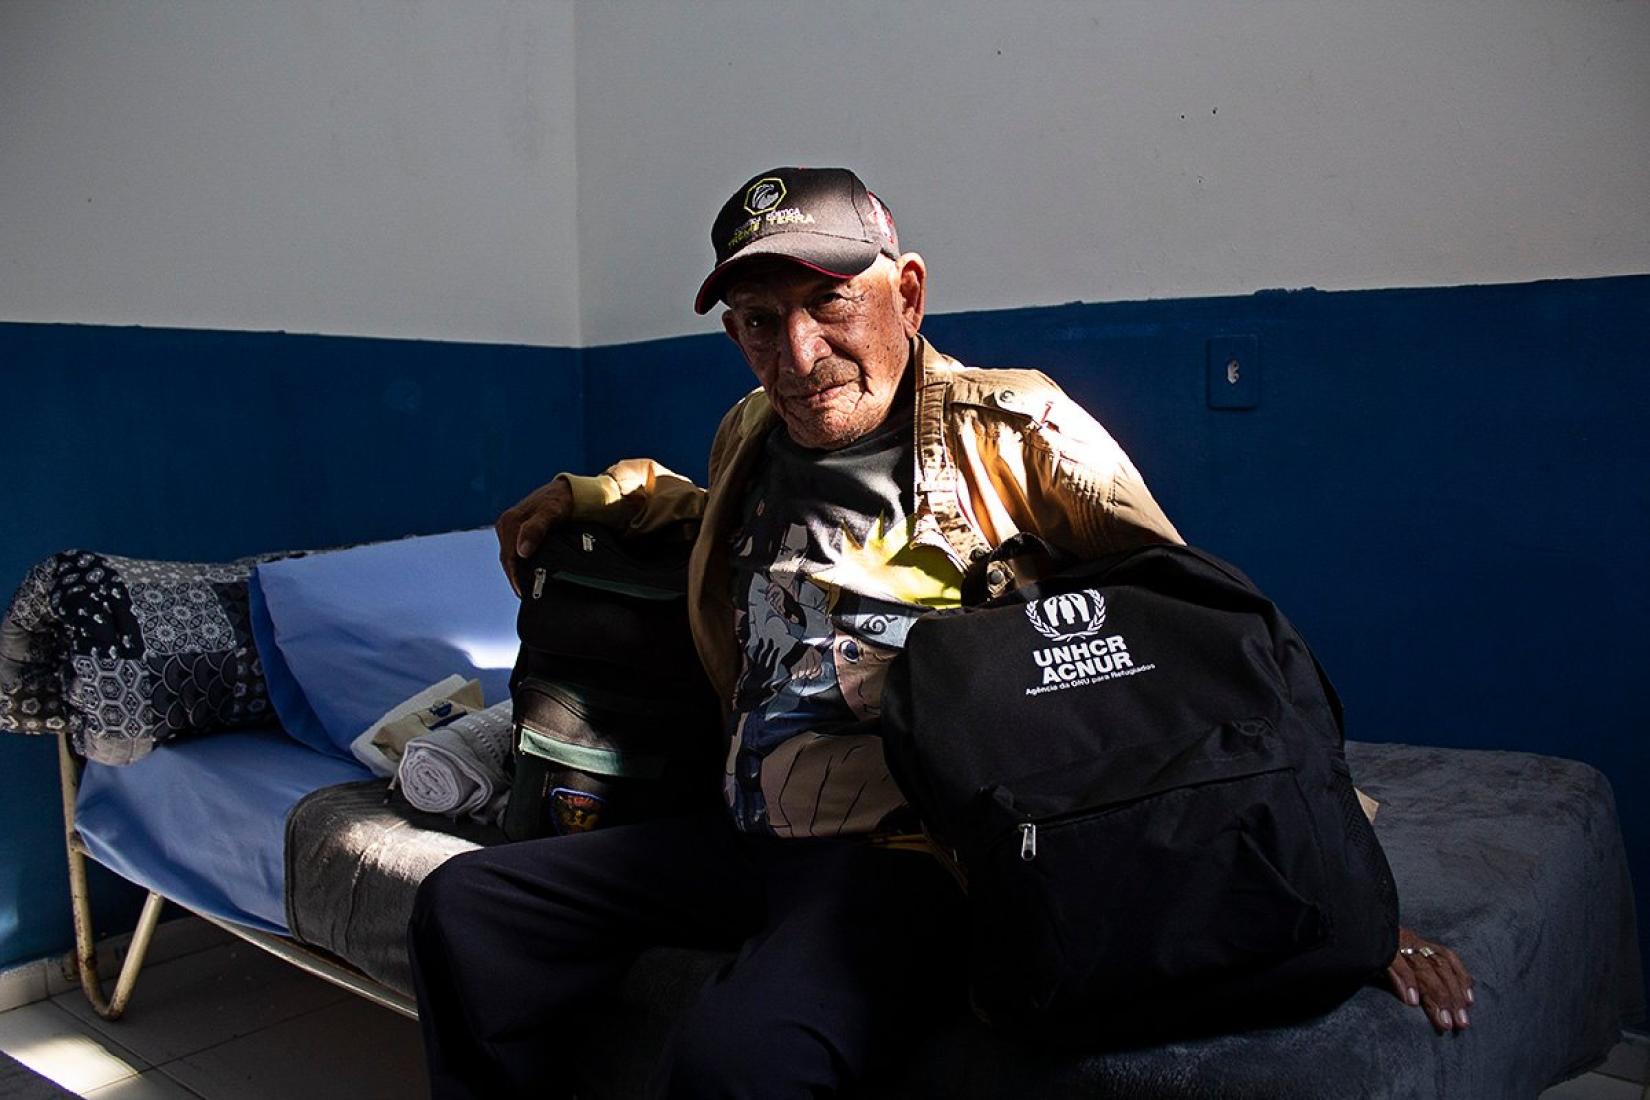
(763, 195)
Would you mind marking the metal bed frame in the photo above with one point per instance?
(315, 961)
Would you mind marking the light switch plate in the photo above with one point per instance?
(1234, 372)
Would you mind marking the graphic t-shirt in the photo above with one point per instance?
(826, 583)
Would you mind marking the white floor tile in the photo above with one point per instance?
(60, 971)
(1594, 1086)
(352, 1050)
(201, 1000)
(57, 1045)
(185, 935)
(153, 1085)
(175, 936)
(22, 985)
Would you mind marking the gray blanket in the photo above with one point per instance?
(354, 859)
(1514, 860)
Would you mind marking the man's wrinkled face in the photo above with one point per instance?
(829, 352)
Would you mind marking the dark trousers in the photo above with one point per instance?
(845, 953)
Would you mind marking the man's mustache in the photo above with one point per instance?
(827, 373)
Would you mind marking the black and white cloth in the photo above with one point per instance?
(123, 653)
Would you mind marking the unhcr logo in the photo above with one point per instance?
(1069, 615)
(1066, 620)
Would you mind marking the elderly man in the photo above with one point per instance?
(856, 489)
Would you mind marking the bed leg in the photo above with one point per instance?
(85, 947)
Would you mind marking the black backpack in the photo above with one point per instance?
(1139, 765)
(615, 720)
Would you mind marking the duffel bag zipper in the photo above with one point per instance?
(1028, 828)
(636, 590)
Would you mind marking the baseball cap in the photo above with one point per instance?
(822, 218)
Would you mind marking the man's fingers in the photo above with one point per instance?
(505, 528)
(1442, 1000)
(1455, 994)
(1403, 981)
(530, 534)
(1463, 978)
(1434, 998)
(1437, 974)
(1456, 979)
(522, 528)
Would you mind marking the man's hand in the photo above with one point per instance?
(521, 528)
(1432, 976)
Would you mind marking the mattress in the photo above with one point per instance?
(203, 821)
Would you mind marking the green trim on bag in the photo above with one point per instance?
(587, 759)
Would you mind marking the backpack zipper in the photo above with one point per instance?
(1028, 829)
(538, 583)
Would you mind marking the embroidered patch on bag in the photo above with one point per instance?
(574, 811)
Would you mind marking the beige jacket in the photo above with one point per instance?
(997, 452)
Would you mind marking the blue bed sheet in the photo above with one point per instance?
(203, 821)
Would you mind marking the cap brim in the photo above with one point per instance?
(837, 257)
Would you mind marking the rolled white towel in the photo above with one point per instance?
(458, 769)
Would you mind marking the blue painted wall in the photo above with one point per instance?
(211, 445)
(1447, 489)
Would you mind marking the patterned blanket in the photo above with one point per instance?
(124, 653)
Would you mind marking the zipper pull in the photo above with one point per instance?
(589, 542)
(538, 583)
(1028, 841)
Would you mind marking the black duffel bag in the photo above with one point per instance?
(1139, 766)
(615, 720)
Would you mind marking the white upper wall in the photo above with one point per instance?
(380, 168)
(408, 169)
(1041, 152)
